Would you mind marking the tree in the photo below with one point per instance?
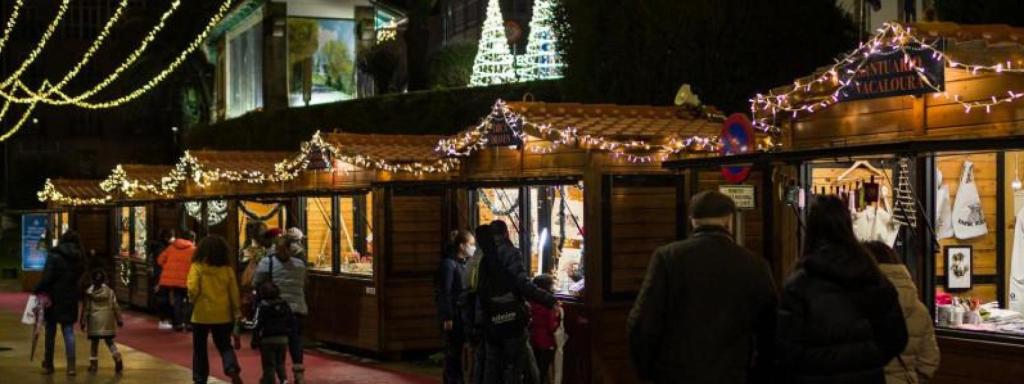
(493, 64)
(542, 59)
(338, 66)
(981, 12)
(727, 50)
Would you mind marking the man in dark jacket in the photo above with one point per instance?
(504, 288)
(706, 309)
(60, 284)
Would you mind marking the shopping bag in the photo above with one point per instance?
(968, 218)
(943, 209)
(29, 316)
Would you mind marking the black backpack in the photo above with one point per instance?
(505, 315)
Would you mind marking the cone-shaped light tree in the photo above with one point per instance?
(542, 59)
(494, 62)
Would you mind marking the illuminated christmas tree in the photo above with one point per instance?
(541, 60)
(493, 64)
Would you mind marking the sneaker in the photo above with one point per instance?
(164, 325)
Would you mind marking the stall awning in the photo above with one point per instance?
(73, 192)
(390, 148)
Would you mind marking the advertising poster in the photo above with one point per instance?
(33, 241)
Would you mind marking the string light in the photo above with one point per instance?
(52, 27)
(11, 21)
(216, 211)
(494, 62)
(891, 39)
(542, 60)
(291, 167)
(50, 194)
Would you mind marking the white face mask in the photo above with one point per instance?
(468, 250)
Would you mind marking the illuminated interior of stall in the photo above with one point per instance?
(554, 231)
(318, 232)
(132, 231)
(58, 225)
(871, 190)
(357, 249)
(254, 217)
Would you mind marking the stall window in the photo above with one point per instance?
(356, 230)
(979, 200)
(319, 227)
(546, 224)
(132, 232)
(253, 218)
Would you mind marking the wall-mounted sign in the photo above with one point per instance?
(501, 134)
(33, 241)
(737, 139)
(743, 195)
(914, 72)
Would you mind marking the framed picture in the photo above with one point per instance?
(959, 267)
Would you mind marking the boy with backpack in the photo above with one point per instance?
(273, 324)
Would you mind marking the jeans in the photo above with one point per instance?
(180, 312)
(453, 342)
(510, 361)
(222, 340)
(272, 360)
(544, 359)
(295, 342)
(68, 330)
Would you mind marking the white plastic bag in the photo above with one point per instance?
(29, 316)
(943, 209)
(968, 218)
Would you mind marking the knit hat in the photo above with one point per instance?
(272, 233)
(294, 234)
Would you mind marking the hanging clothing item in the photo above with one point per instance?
(560, 339)
(875, 224)
(943, 209)
(968, 219)
(1017, 266)
(904, 207)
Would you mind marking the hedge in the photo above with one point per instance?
(437, 111)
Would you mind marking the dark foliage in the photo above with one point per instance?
(442, 111)
(981, 12)
(452, 66)
(727, 50)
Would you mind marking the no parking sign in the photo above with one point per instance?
(737, 139)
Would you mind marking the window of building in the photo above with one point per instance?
(321, 60)
(245, 67)
(132, 232)
(356, 229)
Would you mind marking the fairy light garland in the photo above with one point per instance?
(298, 163)
(891, 39)
(11, 21)
(50, 29)
(216, 211)
(474, 139)
(50, 194)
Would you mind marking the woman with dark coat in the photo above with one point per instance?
(840, 319)
(60, 284)
(448, 288)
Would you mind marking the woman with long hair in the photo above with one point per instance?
(839, 317)
(213, 291)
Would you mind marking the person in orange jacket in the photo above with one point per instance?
(175, 262)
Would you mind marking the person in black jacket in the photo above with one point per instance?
(706, 309)
(61, 285)
(840, 319)
(273, 324)
(448, 287)
(504, 288)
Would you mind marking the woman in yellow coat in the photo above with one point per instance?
(213, 291)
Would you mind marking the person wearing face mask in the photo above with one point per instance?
(448, 287)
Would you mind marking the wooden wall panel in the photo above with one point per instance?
(753, 219)
(410, 315)
(974, 362)
(343, 312)
(642, 219)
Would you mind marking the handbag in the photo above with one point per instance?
(30, 314)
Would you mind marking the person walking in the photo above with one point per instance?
(920, 359)
(273, 324)
(469, 305)
(213, 290)
(60, 287)
(504, 289)
(287, 270)
(543, 324)
(175, 262)
(839, 317)
(706, 310)
(154, 248)
(101, 316)
(448, 287)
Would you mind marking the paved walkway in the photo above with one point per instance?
(155, 356)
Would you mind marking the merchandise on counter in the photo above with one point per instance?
(968, 218)
(943, 209)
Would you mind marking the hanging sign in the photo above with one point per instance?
(737, 139)
(501, 134)
(743, 195)
(914, 72)
(33, 241)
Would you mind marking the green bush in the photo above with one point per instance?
(451, 66)
(422, 112)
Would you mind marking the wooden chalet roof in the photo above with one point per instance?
(146, 173)
(73, 192)
(391, 148)
(239, 161)
(616, 121)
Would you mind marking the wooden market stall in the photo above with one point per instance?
(583, 190)
(82, 206)
(926, 121)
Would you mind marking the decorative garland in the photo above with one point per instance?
(50, 194)
(216, 210)
(317, 144)
(125, 272)
(253, 216)
(498, 211)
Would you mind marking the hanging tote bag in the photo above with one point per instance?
(968, 219)
(943, 209)
(1017, 266)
